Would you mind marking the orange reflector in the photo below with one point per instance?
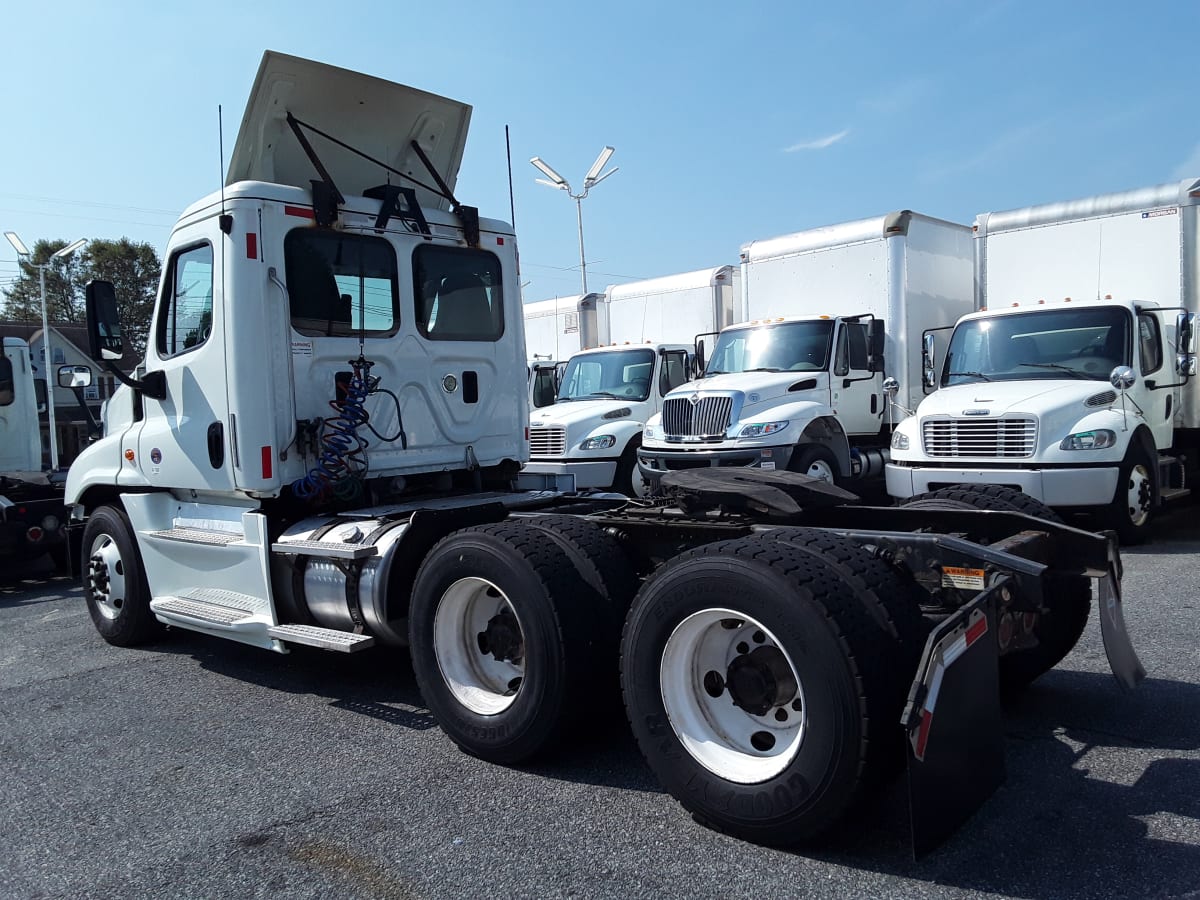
(129, 455)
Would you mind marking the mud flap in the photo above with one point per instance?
(955, 745)
(1122, 658)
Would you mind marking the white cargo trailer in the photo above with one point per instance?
(645, 331)
(1075, 382)
(832, 314)
(556, 329)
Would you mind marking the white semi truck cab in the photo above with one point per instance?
(1074, 382)
(1075, 403)
(785, 394)
(594, 428)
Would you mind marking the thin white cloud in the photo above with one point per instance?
(1190, 167)
(819, 143)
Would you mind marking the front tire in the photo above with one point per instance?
(503, 640)
(758, 688)
(816, 461)
(114, 580)
(628, 480)
(1132, 506)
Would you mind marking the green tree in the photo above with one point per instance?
(133, 268)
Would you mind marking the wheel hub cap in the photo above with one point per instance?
(760, 680)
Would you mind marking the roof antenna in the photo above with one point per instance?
(225, 220)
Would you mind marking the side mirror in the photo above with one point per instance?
(7, 388)
(103, 322)
(1122, 378)
(74, 377)
(1185, 344)
(875, 336)
(698, 359)
(928, 361)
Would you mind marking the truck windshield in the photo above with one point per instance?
(1082, 343)
(786, 347)
(623, 374)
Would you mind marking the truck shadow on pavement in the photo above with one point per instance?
(1074, 818)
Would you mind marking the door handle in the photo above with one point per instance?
(216, 445)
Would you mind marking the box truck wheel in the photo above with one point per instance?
(628, 480)
(503, 640)
(1068, 598)
(114, 582)
(758, 688)
(1133, 503)
(815, 461)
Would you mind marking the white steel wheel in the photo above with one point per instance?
(1139, 494)
(732, 695)
(480, 646)
(106, 576)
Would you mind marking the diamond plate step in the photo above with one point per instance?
(324, 548)
(196, 535)
(325, 638)
(210, 606)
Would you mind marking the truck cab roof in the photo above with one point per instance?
(377, 117)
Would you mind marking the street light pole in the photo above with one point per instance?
(590, 180)
(25, 256)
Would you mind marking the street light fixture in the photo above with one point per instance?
(590, 180)
(26, 257)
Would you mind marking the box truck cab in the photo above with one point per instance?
(1083, 399)
(830, 357)
(640, 338)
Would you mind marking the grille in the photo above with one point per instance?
(998, 438)
(707, 417)
(551, 441)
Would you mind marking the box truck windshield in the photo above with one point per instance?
(789, 346)
(623, 374)
(1084, 343)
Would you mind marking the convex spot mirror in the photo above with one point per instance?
(74, 377)
(103, 322)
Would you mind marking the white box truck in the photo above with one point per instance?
(323, 448)
(555, 329)
(638, 345)
(833, 314)
(1074, 383)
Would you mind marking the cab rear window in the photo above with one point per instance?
(458, 294)
(341, 284)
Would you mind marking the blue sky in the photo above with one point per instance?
(731, 121)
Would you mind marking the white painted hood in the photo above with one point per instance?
(999, 398)
(377, 117)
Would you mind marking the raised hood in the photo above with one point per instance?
(379, 118)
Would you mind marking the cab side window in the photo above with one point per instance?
(186, 307)
(852, 349)
(6, 381)
(674, 371)
(1151, 344)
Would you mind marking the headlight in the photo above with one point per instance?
(758, 429)
(600, 442)
(650, 431)
(1089, 440)
(899, 440)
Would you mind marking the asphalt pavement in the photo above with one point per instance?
(202, 768)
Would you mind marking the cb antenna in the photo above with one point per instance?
(225, 220)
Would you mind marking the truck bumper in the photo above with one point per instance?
(1054, 487)
(590, 473)
(654, 464)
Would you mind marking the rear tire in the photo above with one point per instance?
(114, 580)
(503, 640)
(758, 688)
(1068, 598)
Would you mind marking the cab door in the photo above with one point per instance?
(184, 439)
(855, 390)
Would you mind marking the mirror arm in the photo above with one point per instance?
(153, 385)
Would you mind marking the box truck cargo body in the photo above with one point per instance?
(834, 315)
(647, 329)
(1074, 383)
(557, 328)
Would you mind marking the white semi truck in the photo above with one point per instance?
(831, 315)
(323, 446)
(33, 519)
(638, 339)
(1075, 384)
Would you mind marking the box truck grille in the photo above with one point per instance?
(707, 417)
(991, 438)
(551, 441)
